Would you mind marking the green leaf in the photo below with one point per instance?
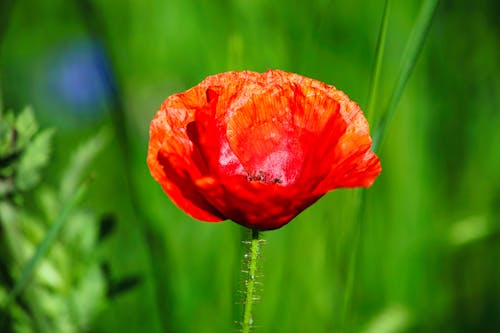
(35, 157)
(26, 126)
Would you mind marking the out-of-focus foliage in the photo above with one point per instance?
(67, 286)
(428, 248)
(22, 154)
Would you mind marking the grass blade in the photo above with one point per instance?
(379, 55)
(410, 56)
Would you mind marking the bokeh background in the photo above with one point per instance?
(423, 257)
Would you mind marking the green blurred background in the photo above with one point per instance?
(425, 256)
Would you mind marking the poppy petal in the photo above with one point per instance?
(170, 159)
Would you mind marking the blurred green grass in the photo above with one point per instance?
(414, 273)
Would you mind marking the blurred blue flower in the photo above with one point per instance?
(76, 80)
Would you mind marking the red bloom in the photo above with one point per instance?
(258, 148)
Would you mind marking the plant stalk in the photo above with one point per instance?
(250, 260)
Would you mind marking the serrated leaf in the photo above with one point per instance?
(35, 157)
(26, 126)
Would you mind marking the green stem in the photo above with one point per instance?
(251, 258)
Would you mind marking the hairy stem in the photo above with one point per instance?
(251, 258)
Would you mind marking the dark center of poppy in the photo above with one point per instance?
(261, 176)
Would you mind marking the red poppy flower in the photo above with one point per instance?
(258, 148)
